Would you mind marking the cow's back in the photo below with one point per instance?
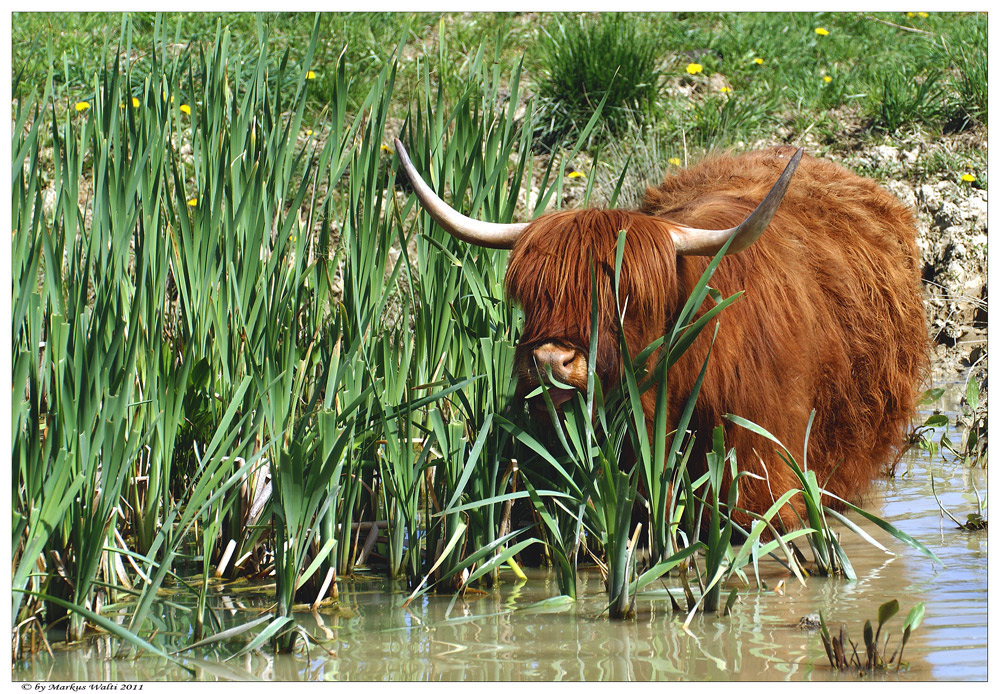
(832, 318)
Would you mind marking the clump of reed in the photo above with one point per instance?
(235, 340)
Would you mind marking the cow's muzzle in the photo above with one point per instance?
(558, 362)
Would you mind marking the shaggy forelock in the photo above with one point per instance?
(549, 274)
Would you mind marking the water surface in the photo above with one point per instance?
(491, 636)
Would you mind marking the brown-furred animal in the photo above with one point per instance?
(831, 320)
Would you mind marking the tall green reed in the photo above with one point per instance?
(829, 554)
(166, 279)
(212, 257)
(463, 331)
(85, 391)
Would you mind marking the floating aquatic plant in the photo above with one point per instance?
(875, 655)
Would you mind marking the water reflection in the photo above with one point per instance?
(491, 637)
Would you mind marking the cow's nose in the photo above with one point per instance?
(558, 359)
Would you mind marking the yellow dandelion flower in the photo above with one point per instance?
(822, 32)
(827, 79)
(385, 148)
(693, 68)
(82, 105)
(759, 61)
(674, 160)
(192, 202)
(968, 178)
(310, 75)
(923, 15)
(135, 102)
(911, 15)
(576, 174)
(185, 109)
(308, 133)
(725, 90)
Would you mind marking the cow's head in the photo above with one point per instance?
(549, 275)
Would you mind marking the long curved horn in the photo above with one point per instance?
(691, 241)
(486, 234)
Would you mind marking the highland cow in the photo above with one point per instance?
(831, 319)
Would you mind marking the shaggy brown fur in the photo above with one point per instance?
(831, 320)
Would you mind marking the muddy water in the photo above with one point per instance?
(497, 636)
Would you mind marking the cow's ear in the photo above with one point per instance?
(693, 241)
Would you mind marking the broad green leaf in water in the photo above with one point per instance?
(914, 617)
(930, 396)
(972, 394)
(886, 611)
(936, 421)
